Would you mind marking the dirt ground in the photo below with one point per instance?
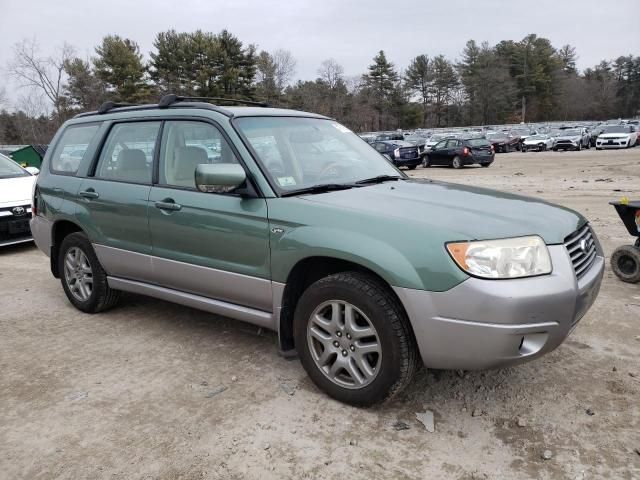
(155, 390)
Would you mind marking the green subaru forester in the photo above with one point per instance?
(288, 220)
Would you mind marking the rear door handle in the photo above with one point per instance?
(90, 193)
(168, 204)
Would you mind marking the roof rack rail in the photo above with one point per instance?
(172, 98)
(106, 106)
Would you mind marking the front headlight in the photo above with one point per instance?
(506, 258)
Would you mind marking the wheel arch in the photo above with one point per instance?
(59, 230)
(304, 273)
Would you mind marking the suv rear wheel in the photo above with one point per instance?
(354, 339)
(83, 279)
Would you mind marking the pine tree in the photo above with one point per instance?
(119, 65)
(418, 78)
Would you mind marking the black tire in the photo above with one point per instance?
(555, 149)
(457, 162)
(485, 165)
(426, 163)
(625, 263)
(544, 147)
(102, 296)
(579, 147)
(506, 148)
(399, 359)
(412, 167)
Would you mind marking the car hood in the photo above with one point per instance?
(16, 191)
(614, 135)
(574, 138)
(461, 212)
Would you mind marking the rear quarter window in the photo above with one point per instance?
(71, 148)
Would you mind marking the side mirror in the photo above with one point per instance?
(32, 170)
(219, 177)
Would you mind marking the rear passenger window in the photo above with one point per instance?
(127, 155)
(185, 145)
(71, 147)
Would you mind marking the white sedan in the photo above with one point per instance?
(16, 187)
(538, 143)
(617, 136)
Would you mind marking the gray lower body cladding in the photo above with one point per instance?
(495, 323)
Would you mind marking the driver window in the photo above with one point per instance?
(187, 144)
(440, 145)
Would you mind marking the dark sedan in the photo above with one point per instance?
(399, 152)
(460, 152)
(503, 142)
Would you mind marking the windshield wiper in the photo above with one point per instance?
(379, 179)
(321, 188)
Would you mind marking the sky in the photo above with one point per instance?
(351, 32)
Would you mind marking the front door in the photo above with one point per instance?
(209, 244)
(112, 204)
(437, 154)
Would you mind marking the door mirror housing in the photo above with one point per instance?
(219, 177)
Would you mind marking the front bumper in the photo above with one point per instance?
(407, 162)
(14, 227)
(494, 323)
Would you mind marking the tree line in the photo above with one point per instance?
(513, 81)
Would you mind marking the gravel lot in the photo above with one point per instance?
(155, 390)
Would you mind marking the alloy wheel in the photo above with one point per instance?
(78, 274)
(344, 344)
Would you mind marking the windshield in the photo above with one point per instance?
(616, 129)
(10, 169)
(571, 133)
(478, 142)
(495, 135)
(299, 152)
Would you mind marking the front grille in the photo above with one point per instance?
(581, 247)
(12, 226)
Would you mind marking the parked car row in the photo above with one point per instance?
(524, 138)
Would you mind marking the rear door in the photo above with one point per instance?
(210, 244)
(112, 201)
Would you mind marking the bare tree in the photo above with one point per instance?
(331, 72)
(285, 68)
(44, 74)
(3, 97)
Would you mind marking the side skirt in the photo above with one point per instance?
(246, 314)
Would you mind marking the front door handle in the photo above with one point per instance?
(89, 193)
(168, 204)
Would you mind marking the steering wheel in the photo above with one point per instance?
(332, 170)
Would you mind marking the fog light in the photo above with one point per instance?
(532, 343)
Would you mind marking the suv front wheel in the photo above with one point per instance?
(83, 279)
(354, 339)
